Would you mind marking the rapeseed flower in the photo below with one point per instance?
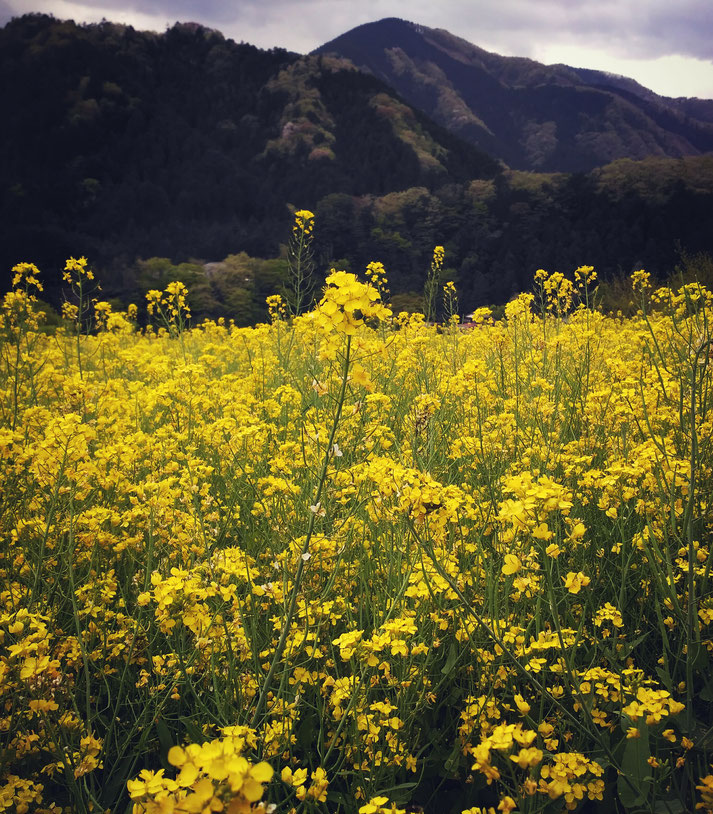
(512, 527)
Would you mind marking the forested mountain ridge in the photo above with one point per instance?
(181, 155)
(124, 143)
(551, 118)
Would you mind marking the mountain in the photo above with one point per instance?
(185, 144)
(181, 156)
(550, 118)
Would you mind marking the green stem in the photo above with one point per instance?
(79, 328)
(282, 642)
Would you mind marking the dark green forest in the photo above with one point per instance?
(183, 154)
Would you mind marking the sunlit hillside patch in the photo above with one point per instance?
(351, 562)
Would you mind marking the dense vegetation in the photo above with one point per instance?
(156, 154)
(350, 562)
(129, 143)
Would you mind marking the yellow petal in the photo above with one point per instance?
(176, 756)
(261, 772)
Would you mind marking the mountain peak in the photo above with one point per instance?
(532, 116)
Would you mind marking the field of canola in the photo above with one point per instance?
(352, 562)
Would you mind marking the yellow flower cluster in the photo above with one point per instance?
(558, 292)
(481, 556)
(170, 303)
(276, 307)
(317, 789)
(706, 793)
(25, 275)
(304, 221)
(585, 276)
(652, 705)
(641, 281)
(213, 776)
(347, 304)
(76, 270)
(380, 805)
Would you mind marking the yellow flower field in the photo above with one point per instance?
(351, 562)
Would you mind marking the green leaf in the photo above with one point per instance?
(672, 806)
(698, 655)
(453, 760)
(399, 794)
(634, 783)
(339, 797)
(195, 733)
(451, 660)
(665, 677)
(165, 740)
(629, 647)
(115, 786)
(306, 734)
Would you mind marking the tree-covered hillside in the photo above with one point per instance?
(183, 155)
(126, 143)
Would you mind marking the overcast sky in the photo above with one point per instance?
(667, 45)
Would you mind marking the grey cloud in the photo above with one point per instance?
(208, 10)
(7, 12)
(686, 29)
(641, 29)
(638, 29)
(633, 28)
